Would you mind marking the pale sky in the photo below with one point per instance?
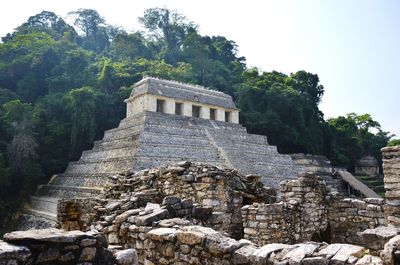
(353, 45)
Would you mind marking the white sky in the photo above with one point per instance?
(352, 45)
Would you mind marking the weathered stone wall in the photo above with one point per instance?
(348, 217)
(391, 170)
(367, 165)
(76, 214)
(208, 187)
(191, 244)
(146, 92)
(199, 245)
(129, 228)
(53, 246)
(307, 211)
(208, 194)
(300, 216)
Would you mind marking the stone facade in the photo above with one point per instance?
(391, 169)
(368, 166)
(317, 164)
(171, 97)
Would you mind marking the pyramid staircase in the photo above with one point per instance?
(153, 139)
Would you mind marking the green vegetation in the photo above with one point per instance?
(62, 85)
(374, 183)
(394, 142)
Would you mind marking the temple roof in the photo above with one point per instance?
(182, 91)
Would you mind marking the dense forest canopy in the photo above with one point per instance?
(62, 85)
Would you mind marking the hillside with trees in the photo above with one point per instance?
(62, 85)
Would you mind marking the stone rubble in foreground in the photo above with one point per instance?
(191, 213)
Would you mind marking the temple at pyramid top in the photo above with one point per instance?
(171, 97)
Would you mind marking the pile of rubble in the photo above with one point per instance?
(210, 195)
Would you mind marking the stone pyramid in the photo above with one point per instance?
(153, 135)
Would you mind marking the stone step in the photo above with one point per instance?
(93, 155)
(233, 138)
(250, 147)
(31, 219)
(116, 143)
(181, 152)
(146, 162)
(68, 191)
(252, 157)
(174, 130)
(277, 162)
(48, 216)
(78, 181)
(162, 138)
(121, 133)
(128, 123)
(44, 204)
(276, 170)
(107, 166)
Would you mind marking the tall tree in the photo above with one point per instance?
(47, 22)
(94, 28)
(83, 116)
(169, 28)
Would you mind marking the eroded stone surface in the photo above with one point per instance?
(377, 238)
(127, 257)
(43, 235)
(53, 246)
(8, 251)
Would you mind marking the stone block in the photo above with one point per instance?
(8, 251)
(162, 234)
(147, 220)
(127, 257)
(377, 238)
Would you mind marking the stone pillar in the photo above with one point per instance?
(205, 112)
(235, 116)
(169, 106)
(220, 115)
(187, 109)
(391, 171)
(150, 103)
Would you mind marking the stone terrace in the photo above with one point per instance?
(153, 139)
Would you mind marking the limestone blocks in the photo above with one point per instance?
(53, 246)
(391, 169)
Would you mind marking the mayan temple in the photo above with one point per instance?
(166, 122)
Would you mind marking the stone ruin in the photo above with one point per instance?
(368, 166)
(238, 202)
(194, 213)
(166, 122)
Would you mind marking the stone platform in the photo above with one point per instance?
(152, 139)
